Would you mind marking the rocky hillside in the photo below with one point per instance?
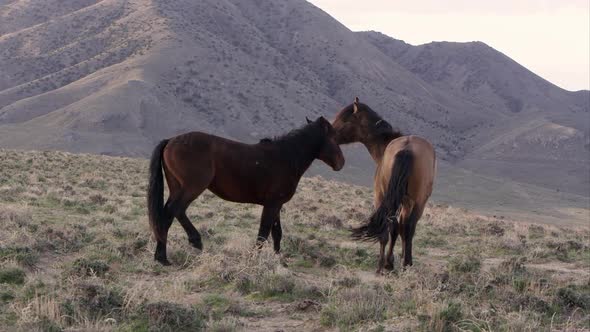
(114, 77)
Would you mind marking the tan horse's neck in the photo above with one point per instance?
(376, 147)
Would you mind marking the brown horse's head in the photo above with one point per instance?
(330, 152)
(357, 122)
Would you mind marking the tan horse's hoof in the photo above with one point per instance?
(164, 261)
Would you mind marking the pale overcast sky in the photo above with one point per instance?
(549, 37)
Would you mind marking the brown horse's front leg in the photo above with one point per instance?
(277, 233)
(269, 215)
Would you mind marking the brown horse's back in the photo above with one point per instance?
(423, 170)
(197, 159)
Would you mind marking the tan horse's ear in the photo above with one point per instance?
(355, 105)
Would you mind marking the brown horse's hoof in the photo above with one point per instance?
(196, 242)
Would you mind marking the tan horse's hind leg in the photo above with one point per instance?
(393, 233)
(407, 226)
(382, 243)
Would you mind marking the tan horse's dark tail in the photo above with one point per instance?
(155, 194)
(376, 228)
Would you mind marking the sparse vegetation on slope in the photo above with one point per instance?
(76, 253)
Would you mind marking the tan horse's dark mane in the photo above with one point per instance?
(380, 129)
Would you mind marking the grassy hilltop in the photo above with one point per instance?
(76, 254)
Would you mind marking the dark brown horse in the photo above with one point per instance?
(406, 167)
(266, 173)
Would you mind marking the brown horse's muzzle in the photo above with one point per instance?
(339, 162)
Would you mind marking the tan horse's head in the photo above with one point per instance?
(357, 122)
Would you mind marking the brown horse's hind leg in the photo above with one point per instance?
(169, 212)
(160, 254)
(270, 214)
(187, 197)
(194, 237)
(393, 231)
(176, 206)
(194, 180)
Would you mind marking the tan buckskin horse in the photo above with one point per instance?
(406, 168)
(266, 173)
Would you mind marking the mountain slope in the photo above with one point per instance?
(540, 132)
(114, 77)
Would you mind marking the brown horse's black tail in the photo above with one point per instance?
(376, 228)
(155, 194)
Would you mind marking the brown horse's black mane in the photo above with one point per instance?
(299, 146)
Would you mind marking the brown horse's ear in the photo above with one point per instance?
(355, 105)
(325, 123)
(308, 120)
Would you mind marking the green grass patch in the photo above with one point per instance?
(12, 275)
